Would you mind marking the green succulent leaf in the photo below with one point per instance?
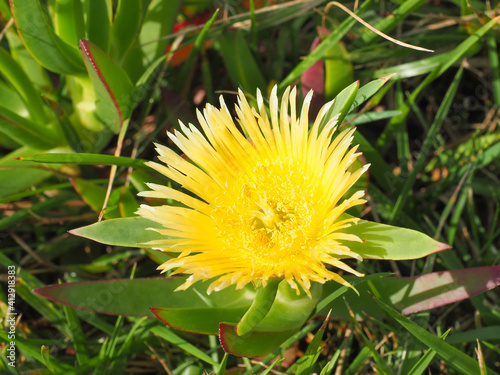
(286, 316)
(338, 70)
(203, 320)
(242, 67)
(41, 41)
(129, 232)
(27, 132)
(381, 241)
(137, 296)
(126, 25)
(98, 24)
(112, 85)
(69, 21)
(253, 344)
(16, 76)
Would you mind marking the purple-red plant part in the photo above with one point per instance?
(457, 285)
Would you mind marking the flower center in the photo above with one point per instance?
(273, 220)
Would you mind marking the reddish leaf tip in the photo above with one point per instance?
(155, 311)
(74, 233)
(223, 328)
(386, 78)
(442, 247)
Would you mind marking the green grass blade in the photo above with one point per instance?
(495, 66)
(37, 208)
(427, 145)
(448, 60)
(312, 353)
(88, 159)
(223, 364)
(393, 20)
(167, 334)
(359, 361)
(187, 66)
(452, 356)
(24, 286)
(426, 359)
(77, 336)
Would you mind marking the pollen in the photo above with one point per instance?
(268, 201)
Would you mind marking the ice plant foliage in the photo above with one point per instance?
(269, 194)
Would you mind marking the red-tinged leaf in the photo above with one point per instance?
(112, 85)
(200, 320)
(412, 294)
(253, 344)
(136, 297)
(454, 286)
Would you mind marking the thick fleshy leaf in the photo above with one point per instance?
(204, 320)
(338, 68)
(314, 77)
(126, 25)
(413, 294)
(381, 241)
(41, 41)
(13, 73)
(242, 67)
(128, 232)
(287, 313)
(286, 316)
(159, 20)
(69, 21)
(27, 132)
(135, 297)
(112, 85)
(98, 22)
(253, 344)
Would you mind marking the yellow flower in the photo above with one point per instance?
(265, 203)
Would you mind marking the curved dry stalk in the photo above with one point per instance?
(378, 32)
